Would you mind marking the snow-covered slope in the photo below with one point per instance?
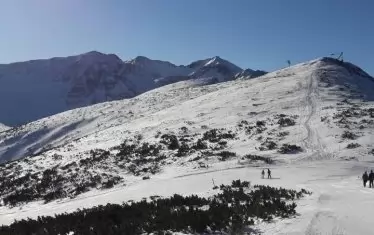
(182, 101)
(35, 89)
(3, 127)
(324, 107)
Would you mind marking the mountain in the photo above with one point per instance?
(249, 73)
(311, 124)
(35, 89)
(208, 71)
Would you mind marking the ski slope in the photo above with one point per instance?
(319, 92)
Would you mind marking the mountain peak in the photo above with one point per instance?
(351, 68)
(217, 58)
(95, 56)
(93, 53)
(214, 61)
(141, 58)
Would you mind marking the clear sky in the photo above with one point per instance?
(259, 34)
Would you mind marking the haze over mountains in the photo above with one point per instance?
(39, 88)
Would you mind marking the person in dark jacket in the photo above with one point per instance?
(365, 178)
(269, 174)
(371, 179)
(263, 174)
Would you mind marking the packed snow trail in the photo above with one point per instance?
(312, 141)
(312, 111)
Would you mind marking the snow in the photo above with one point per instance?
(3, 127)
(311, 90)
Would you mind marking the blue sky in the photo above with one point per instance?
(260, 34)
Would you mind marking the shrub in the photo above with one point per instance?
(222, 143)
(284, 122)
(229, 211)
(259, 158)
(200, 144)
(224, 155)
(146, 177)
(240, 184)
(290, 148)
(353, 145)
(183, 150)
(268, 145)
(349, 135)
(260, 123)
(171, 141)
(283, 133)
(216, 135)
(184, 129)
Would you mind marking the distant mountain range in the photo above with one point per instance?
(39, 88)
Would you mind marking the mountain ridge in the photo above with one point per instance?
(58, 84)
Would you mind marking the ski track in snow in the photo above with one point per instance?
(323, 222)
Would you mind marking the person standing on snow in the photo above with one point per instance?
(365, 178)
(371, 179)
(269, 174)
(263, 174)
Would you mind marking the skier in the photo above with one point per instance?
(263, 174)
(365, 178)
(371, 179)
(269, 174)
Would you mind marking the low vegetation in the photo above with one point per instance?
(233, 209)
(26, 180)
(251, 157)
(353, 145)
(103, 169)
(289, 149)
(349, 135)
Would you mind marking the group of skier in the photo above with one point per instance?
(263, 174)
(368, 177)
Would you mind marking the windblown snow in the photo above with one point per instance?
(325, 107)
